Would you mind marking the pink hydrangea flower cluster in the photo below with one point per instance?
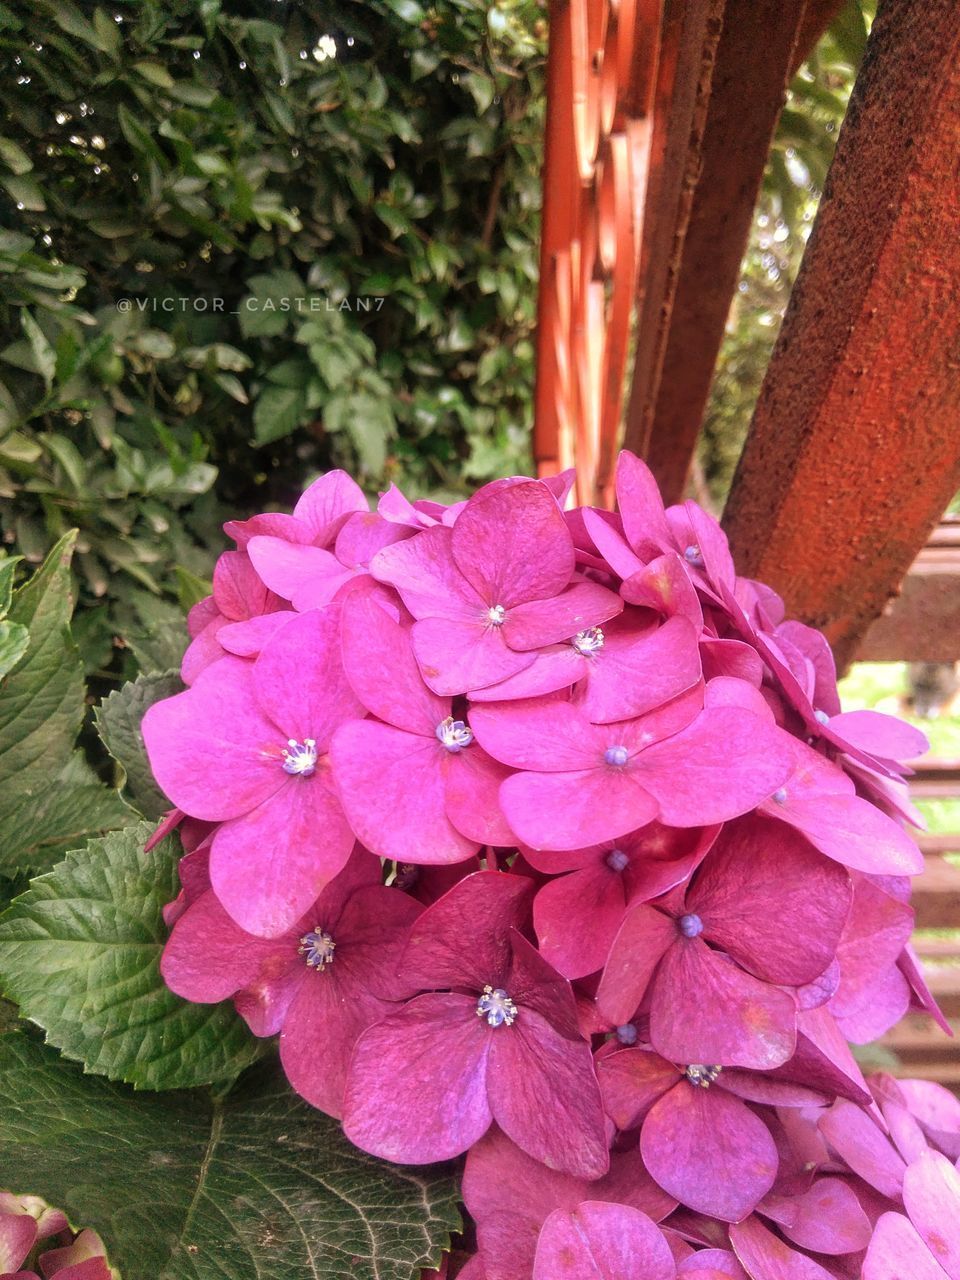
(541, 835)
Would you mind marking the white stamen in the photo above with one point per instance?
(300, 757)
(588, 642)
(454, 734)
(318, 948)
(701, 1075)
(497, 1007)
(496, 615)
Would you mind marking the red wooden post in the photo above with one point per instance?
(854, 450)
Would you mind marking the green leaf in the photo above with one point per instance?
(80, 954)
(38, 826)
(41, 700)
(118, 723)
(44, 356)
(26, 192)
(14, 640)
(155, 74)
(277, 413)
(849, 30)
(8, 568)
(14, 157)
(258, 1185)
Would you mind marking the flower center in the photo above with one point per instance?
(588, 642)
(454, 734)
(691, 926)
(497, 1007)
(496, 615)
(701, 1075)
(627, 1034)
(617, 860)
(317, 947)
(617, 756)
(821, 717)
(779, 796)
(300, 757)
(692, 555)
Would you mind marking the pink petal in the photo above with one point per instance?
(270, 865)
(326, 1018)
(510, 1195)
(323, 505)
(880, 735)
(307, 576)
(463, 939)
(536, 623)
(392, 787)
(246, 639)
(300, 681)
(215, 732)
(610, 543)
(536, 985)
(554, 668)
(459, 657)
(82, 1260)
(472, 790)
(723, 764)
(364, 534)
(827, 1218)
(640, 503)
(548, 735)
(379, 663)
(644, 938)
(416, 1089)
(203, 650)
(731, 658)
(569, 810)
(576, 918)
(512, 544)
(600, 1241)
(663, 585)
(704, 1008)
(709, 1150)
(271, 524)
(855, 1137)
(544, 1095)
(632, 675)
(712, 1264)
(423, 570)
(854, 832)
(237, 589)
(766, 1257)
(931, 1196)
(771, 901)
(631, 1081)
(897, 1252)
(18, 1233)
(208, 957)
(881, 1006)
(877, 929)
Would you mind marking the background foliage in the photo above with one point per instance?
(324, 260)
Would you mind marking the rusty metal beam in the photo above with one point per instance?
(690, 35)
(754, 62)
(854, 449)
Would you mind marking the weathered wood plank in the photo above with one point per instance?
(853, 451)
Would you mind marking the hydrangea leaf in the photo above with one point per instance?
(80, 954)
(181, 1188)
(118, 723)
(39, 825)
(41, 700)
(14, 641)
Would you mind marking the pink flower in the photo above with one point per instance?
(625, 668)
(820, 800)
(584, 783)
(872, 993)
(510, 1196)
(493, 589)
(321, 511)
(776, 908)
(25, 1222)
(245, 747)
(238, 596)
(320, 984)
(496, 1039)
(577, 915)
(599, 1241)
(414, 784)
(699, 1141)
